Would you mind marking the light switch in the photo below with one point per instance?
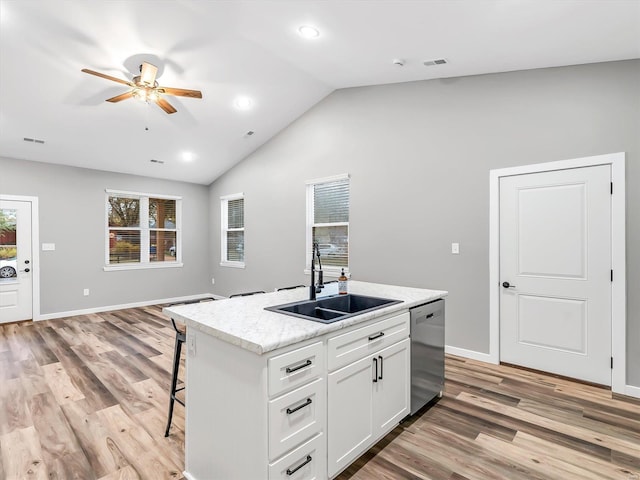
(48, 247)
(455, 248)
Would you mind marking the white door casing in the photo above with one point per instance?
(555, 262)
(618, 258)
(16, 284)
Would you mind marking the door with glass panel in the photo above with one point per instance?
(16, 274)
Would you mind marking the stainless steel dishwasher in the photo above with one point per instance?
(427, 353)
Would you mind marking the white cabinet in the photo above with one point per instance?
(368, 397)
(392, 390)
(350, 413)
(303, 412)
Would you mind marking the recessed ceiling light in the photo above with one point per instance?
(188, 156)
(308, 31)
(243, 103)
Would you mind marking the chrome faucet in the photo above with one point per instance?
(315, 287)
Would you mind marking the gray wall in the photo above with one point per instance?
(72, 203)
(419, 156)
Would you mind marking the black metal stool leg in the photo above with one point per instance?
(181, 337)
(174, 379)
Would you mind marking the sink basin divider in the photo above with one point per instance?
(324, 309)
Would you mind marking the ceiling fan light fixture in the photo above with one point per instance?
(140, 94)
(307, 31)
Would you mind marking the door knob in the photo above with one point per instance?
(508, 285)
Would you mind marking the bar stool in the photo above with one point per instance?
(181, 337)
(246, 294)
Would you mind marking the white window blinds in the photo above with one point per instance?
(329, 221)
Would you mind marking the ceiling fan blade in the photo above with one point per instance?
(119, 98)
(108, 77)
(148, 74)
(166, 106)
(180, 92)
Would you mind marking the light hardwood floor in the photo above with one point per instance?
(86, 398)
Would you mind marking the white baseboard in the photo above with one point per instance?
(109, 308)
(632, 391)
(472, 354)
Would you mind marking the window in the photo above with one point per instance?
(143, 230)
(232, 230)
(328, 222)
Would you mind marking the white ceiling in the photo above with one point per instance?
(231, 48)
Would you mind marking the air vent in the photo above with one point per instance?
(437, 61)
(160, 162)
(33, 140)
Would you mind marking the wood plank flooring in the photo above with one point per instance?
(86, 397)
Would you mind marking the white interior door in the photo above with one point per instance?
(16, 276)
(555, 271)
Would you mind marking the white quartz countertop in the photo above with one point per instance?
(244, 322)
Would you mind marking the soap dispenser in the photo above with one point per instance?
(342, 283)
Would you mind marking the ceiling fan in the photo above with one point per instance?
(146, 88)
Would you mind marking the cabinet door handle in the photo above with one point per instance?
(375, 375)
(293, 410)
(378, 335)
(381, 364)
(291, 472)
(295, 369)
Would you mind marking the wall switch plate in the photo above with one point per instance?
(455, 248)
(48, 247)
(86, 292)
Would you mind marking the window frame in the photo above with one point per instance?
(145, 231)
(224, 228)
(331, 271)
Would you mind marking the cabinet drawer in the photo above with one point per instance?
(307, 462)
(352, 346)
(296, 417)
(295, 368)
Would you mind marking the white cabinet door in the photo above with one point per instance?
(391, 392)
(350, 413)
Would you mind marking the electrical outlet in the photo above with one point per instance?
(213, 281)
(455, 248)
(86, 292)
(191, 345)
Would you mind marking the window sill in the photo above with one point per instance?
(232, 264)
(142, 266)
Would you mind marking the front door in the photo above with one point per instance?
(15, 261)
(555, 271)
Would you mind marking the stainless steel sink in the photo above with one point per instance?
(334, 308)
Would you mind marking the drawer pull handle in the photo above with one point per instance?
(291, 472)
(375, 374)
(293, 410)
(376, 336)
(430, 315)
(295, 369)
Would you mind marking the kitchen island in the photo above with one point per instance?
(273, 396)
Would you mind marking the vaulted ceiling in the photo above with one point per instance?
(230, 49)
